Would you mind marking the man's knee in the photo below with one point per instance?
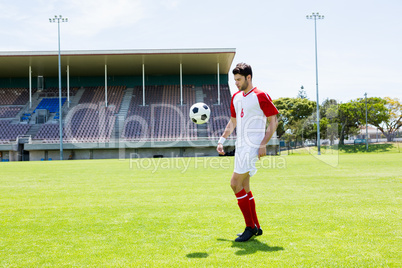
(237, 182)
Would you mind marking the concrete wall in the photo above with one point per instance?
(47, 155)
(127, 153)
(124, 150)
(13, 155)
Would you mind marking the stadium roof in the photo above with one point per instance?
(119, 62)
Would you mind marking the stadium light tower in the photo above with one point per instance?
(365, 97)
(315, 17)
(59, 19)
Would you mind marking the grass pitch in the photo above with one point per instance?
(181, 212)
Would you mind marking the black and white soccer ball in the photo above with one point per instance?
(200, 113)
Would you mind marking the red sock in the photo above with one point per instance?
(244, 205)
(252, 207)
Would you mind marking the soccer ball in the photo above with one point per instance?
(199, 113)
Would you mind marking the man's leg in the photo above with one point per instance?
(237, 181)
(242, 199)
(246, 186)
(244, 204)
(246, 183)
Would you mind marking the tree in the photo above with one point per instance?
(301, 129)
(348, 119)
(292, 113)
(329, 108)
(394, 120)
(377, 113)
(329, 120)
(281, 105)
(297, 117)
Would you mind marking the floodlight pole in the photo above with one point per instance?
(59, 19)
(316, 16)
(365, 96)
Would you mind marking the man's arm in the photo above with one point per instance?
(228, 130)
(273, 124)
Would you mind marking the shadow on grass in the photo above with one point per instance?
(251, 247)
(376, 148)
(197, 255)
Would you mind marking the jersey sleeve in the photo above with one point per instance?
(266, 104)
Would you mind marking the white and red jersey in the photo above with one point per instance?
(251, 111)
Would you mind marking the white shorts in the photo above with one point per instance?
(245, 159)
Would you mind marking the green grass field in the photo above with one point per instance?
(181, 212)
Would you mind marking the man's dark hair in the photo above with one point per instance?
(243, 69)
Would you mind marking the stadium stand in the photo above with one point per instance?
(12, 101)
(54, 92)
(92, 128)
(162, 118)
(220, 114)
(10, 132)
(48, 133)
(90, 121)
(50, 104)
(14, 96)
(9, 112)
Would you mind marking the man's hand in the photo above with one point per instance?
(262, 151)
(219, 148)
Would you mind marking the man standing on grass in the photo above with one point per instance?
(250, 109)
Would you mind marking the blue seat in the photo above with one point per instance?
(51, 104)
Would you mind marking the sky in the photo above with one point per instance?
(359, 41)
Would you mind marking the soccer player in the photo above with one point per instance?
(250, 109)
